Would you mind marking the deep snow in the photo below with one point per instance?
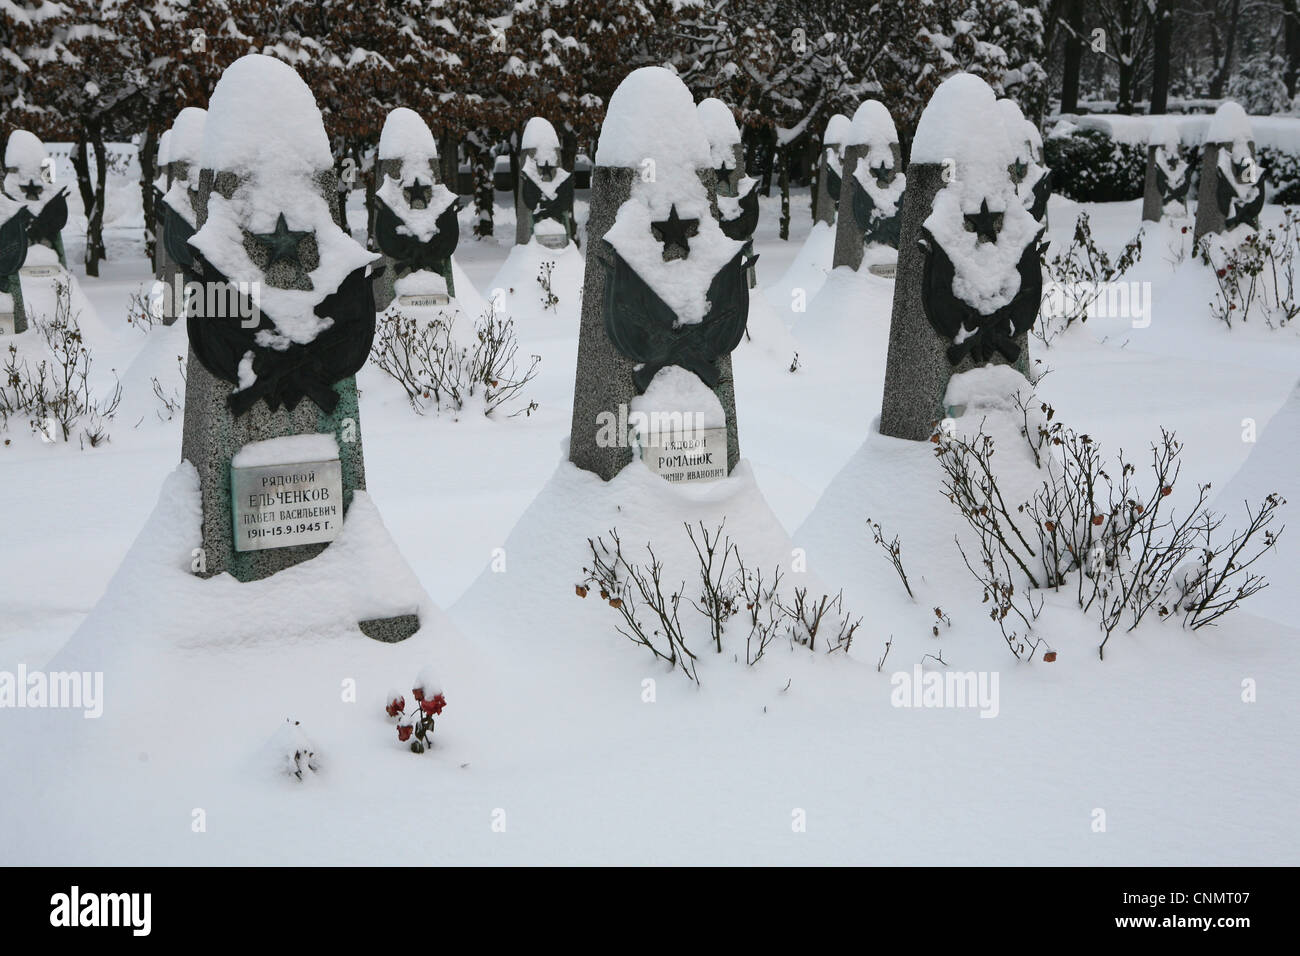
(547, 718)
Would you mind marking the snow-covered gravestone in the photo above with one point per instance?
(826, 199)
(161, 182)
(665, 299)
(544, 193)
(13, 252)
(871, 194)
(1033, 179)
(1168, 174)
(969, 275)
(737, 195)
(415, 217)
(30, 180)
(284, 320)
(177, 209)
(1231, 192)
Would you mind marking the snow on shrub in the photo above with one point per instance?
(1094, 529)
(651, 609)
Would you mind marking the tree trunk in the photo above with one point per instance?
(95, 251)
(148, 173)
(1220, 81)
(1164, 35)
(1125, 102)
(785, 192)
(484, 195)
(1073, 56)
(1291, 40)
(92, 200)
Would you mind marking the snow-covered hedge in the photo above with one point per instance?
(1103, 158)
(1088, 166)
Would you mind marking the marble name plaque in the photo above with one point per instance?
(686, 456)
(279, 506)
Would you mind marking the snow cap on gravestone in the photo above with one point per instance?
(185, 138)
(1017, 127)
(164, 149)
(720, 129)
(264, 129)
(24, 153)
(407, 137)
(541, 141)
(652, 118)
(963, 125)
(837, 130)
(873, 127)
(651, 125)
(1230, 124)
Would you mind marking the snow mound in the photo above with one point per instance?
(988, 387)
(360, 576)
(518, 289)
(805, 275)
(1229, 125)
(406, 136)
(548, 549)
(674, 389)
(962, 121)
(264, 122)
(652, 115)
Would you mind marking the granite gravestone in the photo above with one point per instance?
(177, 208)
(1168, 175)
(1033, 180)
(544, 196)
(13, 253)
(415, 224)
(30, 180)
(665, 299)
(872, 190)
(736, 193)
(283, 320)
(969, 276)
(826, 195)
(1231, 192)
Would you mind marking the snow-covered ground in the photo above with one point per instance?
(553, 747)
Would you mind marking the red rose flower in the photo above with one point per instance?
(396, 706)
(438, 702)
(418, 693)
(404, 732)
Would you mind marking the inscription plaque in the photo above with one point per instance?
(686, 456)
(279, 506)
